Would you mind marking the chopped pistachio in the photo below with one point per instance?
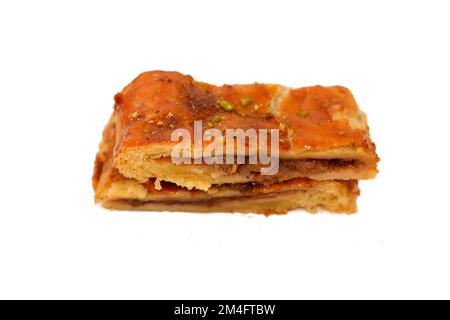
(303, 113)
(215, 121)
(218, 118)
(245, 101)
(226, 105)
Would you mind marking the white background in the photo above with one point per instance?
(62, 62)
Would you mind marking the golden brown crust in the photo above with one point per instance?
(105, 150)
(156, 102)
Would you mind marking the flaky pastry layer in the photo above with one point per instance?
(114, 191)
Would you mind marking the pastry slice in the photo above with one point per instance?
(317, 135)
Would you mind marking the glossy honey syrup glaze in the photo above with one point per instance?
(309, 119)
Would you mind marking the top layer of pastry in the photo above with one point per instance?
(314, 122)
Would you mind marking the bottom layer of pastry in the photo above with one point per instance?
(330, 196)
(114, 191)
